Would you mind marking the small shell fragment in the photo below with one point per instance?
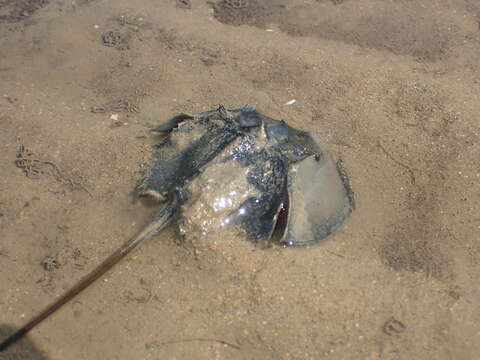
(291, 102)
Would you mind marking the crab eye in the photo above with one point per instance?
(282, 220)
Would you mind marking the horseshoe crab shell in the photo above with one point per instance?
(243, 172)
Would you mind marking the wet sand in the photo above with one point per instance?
(389, 87)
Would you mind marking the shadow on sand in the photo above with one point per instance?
(24, 349)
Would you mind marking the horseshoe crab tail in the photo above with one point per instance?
(161, 220)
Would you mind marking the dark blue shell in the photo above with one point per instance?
(272, 152)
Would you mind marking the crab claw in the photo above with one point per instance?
(319, 201)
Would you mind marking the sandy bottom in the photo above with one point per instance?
(389, 87)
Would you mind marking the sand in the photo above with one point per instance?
(390, 87)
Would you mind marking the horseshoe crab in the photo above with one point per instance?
(243, 171)
(233, 171)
